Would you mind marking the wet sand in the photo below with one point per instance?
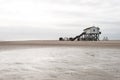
(59, 60)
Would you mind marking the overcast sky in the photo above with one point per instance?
(50, 19)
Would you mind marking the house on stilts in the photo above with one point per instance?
(88, 34)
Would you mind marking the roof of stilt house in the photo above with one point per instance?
(91, 27)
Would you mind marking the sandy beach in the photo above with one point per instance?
(46, 43)
(59, 60)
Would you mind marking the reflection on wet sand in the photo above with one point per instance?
(60, 63)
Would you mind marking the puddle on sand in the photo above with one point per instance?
(60, 63)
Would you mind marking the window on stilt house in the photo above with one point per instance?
(93, 30)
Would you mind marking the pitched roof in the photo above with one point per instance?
(91, 27)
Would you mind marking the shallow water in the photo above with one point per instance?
(60, 63)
